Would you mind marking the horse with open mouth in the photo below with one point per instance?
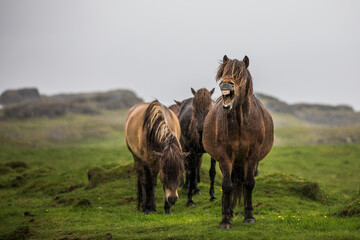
(152, 135)
(238, 133)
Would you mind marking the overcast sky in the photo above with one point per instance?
(300, 51)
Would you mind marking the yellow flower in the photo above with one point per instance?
(282, 218)
(293, 216)
(47, 210)
(325, 216)
(298, 219)
(99, 198)
(279, 216)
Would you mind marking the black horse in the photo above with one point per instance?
(192, 114)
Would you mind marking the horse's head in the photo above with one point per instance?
(235, 81)
(202, 103)
(172, 169)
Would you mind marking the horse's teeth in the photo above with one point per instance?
(225, 92)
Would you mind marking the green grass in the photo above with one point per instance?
(302, 192)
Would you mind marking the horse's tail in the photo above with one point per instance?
(237, 178)
(155, 125)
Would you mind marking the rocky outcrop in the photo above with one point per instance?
(321, 114)
(21, 95)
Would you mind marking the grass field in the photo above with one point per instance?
(303, 191)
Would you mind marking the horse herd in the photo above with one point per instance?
(236, 131)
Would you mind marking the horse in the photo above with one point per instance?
(152, 135)
(175, 107)
(238, 133)
(192, 114)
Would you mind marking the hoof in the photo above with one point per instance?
(197, 192)
(225, 225)
(167, 213)
(249, 220)
(190, 203)
(212, 199)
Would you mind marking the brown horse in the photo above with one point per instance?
(238, 133)
(152, 135)
(175, 107)
(192, 114)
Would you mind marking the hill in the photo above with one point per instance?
(319, 114)
(22, 106)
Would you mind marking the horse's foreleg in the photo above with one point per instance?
(192, 179)
(226, 198)
(139, 192)
(198, 160)
(167, 207)
(249, 184)
(198, 169)
(149, 200)
(212, 174)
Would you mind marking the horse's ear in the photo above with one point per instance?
(177, 102)
(212, 91)
(246, 61)
(225, 58)
(193, 91)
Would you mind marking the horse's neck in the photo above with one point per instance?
(240, 111)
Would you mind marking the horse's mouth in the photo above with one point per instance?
(227, 92)
(228, 98)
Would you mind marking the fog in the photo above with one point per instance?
(300, 51)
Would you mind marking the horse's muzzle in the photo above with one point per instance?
(172, 200)
(227, 92)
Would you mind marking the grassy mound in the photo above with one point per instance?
(283, 184)
(16, 164)
(97, 175)
(352, 208)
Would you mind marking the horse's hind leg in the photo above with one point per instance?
(212, 174)
(249, 184)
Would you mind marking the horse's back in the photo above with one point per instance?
(268, 132)
(134, 128)
(134, 131)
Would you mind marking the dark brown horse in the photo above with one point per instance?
(152, 135)
(238, 133)
(192, 114)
